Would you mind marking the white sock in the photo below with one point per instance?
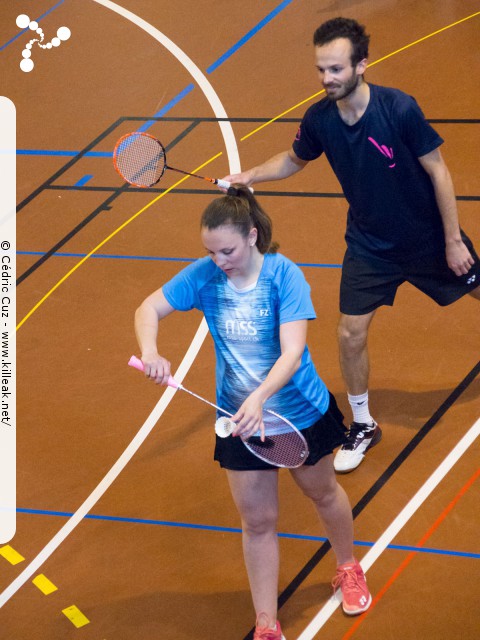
(361, 412)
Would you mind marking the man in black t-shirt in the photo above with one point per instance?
(402, 223)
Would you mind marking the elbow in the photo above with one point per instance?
(295, 160)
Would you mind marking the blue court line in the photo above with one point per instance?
(83, 180)
(206, 527)
(167, 107)
(45, 152)
(105, 256)
(27, 29)
(249, 35)
(188, 89)
(218, 62)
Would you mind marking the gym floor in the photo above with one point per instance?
(125, 525)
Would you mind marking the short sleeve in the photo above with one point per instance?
(307, 145)
(294, 292)
(418, 134)
(182, 290)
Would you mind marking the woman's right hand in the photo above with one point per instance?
(156, 368)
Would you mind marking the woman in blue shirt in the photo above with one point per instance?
(257, 304)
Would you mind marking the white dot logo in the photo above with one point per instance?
(24, 22)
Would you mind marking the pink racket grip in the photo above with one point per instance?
(136, 363)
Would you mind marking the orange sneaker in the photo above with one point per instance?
(353, 584)
(264, 632)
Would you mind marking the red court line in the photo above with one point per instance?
(412, 554)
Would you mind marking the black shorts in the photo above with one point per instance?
(370, 283)
(322, 438)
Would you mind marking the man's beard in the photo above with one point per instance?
(347, 89)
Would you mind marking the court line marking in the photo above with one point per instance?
(16, 584)
(134, 445)
(111, 256)
(126, 13)
(396, 574)
(44, 15)
(217, 108)
(105, 240)
(235, 530)
(389, 55)
(397, 524)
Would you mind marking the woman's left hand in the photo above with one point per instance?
(249, 418)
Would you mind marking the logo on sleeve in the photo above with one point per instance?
(384, 150)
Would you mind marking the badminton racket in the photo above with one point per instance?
(284, 445)
(141, 160)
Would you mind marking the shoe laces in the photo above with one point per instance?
(357, 430)
(348, 578)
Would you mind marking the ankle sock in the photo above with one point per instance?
(361, 412)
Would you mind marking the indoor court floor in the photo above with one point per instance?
(125, 528)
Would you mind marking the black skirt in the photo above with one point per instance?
(322, 438)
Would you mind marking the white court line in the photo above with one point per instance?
(112, 474)
(400, 521)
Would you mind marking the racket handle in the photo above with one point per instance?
(136, 363)
(224, 184)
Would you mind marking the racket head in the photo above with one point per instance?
(140, 159)
(284, 444)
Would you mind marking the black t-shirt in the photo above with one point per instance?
(393, 213)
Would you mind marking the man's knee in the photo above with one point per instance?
(352, 332)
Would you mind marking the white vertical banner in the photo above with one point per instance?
(7, 320)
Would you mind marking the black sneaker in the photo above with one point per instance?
(360, 438)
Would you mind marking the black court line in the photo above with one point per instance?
(297, 581)
(273, 119)
(117, 191)
(296, 194)
(105, 206)
(69, 164)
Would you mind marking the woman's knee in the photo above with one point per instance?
(260, 523)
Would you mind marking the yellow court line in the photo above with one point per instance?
(76, 617)
(430, 35)
(10, 554)
(315, 95)
(113, 234)
(45, 585)
(265, 124)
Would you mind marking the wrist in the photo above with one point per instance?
(453, 240)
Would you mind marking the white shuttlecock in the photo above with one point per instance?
(224, 427)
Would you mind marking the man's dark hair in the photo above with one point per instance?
(344, 28)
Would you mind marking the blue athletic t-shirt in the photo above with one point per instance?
(393, 213)
(245, 326)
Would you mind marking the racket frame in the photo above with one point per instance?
(138, 364)
(136, 134)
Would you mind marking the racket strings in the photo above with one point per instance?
(284, 445)
(283, 450)
(140, 159)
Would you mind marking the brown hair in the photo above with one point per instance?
(242, 210)
(344, 28)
